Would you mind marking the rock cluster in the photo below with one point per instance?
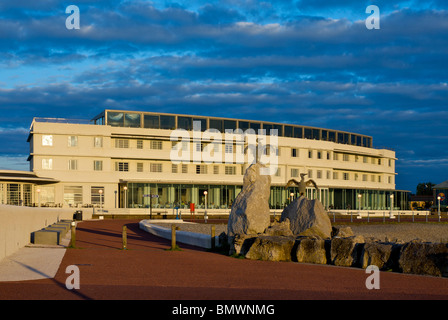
(304, 234)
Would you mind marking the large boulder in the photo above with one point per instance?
(424, 258)
(312, 250)
(308, 218)
(382, 255)
(271, 248)
(346, 252)
(250, 213)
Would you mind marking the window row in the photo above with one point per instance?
(72, 141)
(171, 122)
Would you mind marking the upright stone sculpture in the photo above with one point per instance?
(308, 218)
(250, 211)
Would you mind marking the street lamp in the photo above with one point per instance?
(38, 197)
(359, 212)
(101, 199)
(438, 200)
(205, 213)
(391, 216)
(125, 196)
(292, 196)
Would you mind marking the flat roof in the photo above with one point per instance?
(24, 176)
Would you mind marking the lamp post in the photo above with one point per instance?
(391, 216)
(292, 196)
(101, 199)
(205, 212)
(359, 209)
(38, 197)
(125, 196)
(438, 209)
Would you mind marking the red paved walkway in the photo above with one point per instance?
(147, 271)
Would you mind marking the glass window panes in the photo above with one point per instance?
(98, 142)
(216, 124)
(229, 125)
(201, 122)
(132, 120)
(256, 126)
(47, 140)
(115, 119)
(243, 125)
(185, 123)
(298, 132)
(289, 131)
(151, 121)
(72, 141)
(167, 122)
(73, 195)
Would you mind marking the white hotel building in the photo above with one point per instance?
(120, 158)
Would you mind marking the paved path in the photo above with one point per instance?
(148, 271)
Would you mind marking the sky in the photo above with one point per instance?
(303, 62)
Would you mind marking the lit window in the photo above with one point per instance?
(47, 164)
(47, 140)
(73, 141)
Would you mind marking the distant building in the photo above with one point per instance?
(441, 190)
(120, 158)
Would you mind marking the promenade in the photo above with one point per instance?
(148, 271)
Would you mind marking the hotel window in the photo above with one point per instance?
(155, 167)
(215, 169)
(184, 168)
(47, 164)
(294, 173)
(389, 179)
(372, 178)
(200, 147)
(364, 177)
(379, 161)
(356, 177)
(278, 172)
(390, 162)
(139, 144)
(95, 196)
(310, 174)
(319, 154)
(373, 161)
(228, 148)
(310, 154)
(139, 166)
(335, 176)
(73, 141)
(345, 176)
(73, 195)
(98, 165)
(335, 156)
(319, 174)
(294, 153)
(47, 140)
(345, 157)
(122, 143)
(98, 142)
(328, 175)
(379, 178)
(122, 166)
(230, 170)
(328, 155)
(156, 145)
(174, 168)
(201, 169)
(72, 164)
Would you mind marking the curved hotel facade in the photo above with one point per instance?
(121, 158)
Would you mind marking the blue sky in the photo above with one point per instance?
(305, 62)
